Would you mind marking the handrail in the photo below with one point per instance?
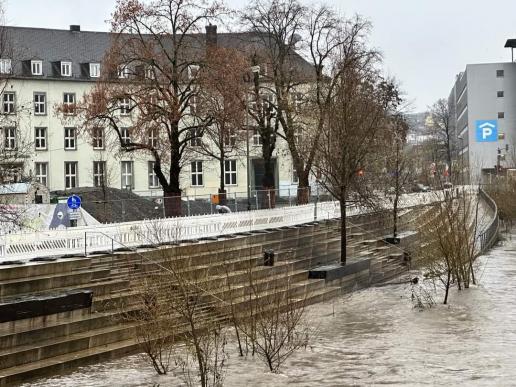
(490, 235)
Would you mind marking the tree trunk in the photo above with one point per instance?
(269, 195)
(343, 242)
(222, 188)
(303, 189)
(395, 215)
(447, 290)
(172, 203)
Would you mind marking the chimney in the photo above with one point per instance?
(75, 28)
(211, 36)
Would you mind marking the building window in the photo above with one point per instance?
(66, 69)
(195, 137)
(5, 66)
(125, 106)
(193, 70)
(230, 138)
(41, 138)
(40, 104)
(99, 173)
(500, 73)
(197, 175)
(295, 177)
(501, 115)
(230, 172)
(8, 103)
(149, 72)
(94, 70)
(127, 175)
(10, 138)
(69, 103)
(97, 137)
(153, 178)
(36, 67)
(71, 180)
(257, 139)
(298, 102)
(123, 71)
(499, 94)
(193, 102)
(152, 140)
(41, 172)
(125, 135)
(70, 139)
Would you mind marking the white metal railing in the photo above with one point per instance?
(88, 239)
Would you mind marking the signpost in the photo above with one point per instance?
(74, 204)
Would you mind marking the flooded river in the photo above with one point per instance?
(377, 337)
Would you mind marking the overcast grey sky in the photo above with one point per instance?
(425, 43)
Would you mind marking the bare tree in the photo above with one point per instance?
(398, 165)
(148, 84)
(442, 129)
(222, 91)
(450, 242)
(352, 137)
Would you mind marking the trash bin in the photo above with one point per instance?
(268, 257)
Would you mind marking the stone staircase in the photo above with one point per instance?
(222, 268)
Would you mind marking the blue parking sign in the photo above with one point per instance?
(486, 130)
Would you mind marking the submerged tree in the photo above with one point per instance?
(449, 241)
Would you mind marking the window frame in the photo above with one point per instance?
(12, 104)
(295, 176)
(256, 138)
(38, 65)
(94, 70)
(69, 140)
(69, 175)
(40, 139)
(152, 177)
(40, 104)
(195, 138)
(125, 136)
(124, 105)
(123, 72)
(500, 94)
(195, 174)
(96, 140)
(152, 138)
(38, 175)
(69, 106)
(6, 66)
(10, 134)
(500, 73)
(231, 173)
(124, 174)
(99, 174)
(501, 115)
(66, 65)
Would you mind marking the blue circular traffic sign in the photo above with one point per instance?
(73, 202)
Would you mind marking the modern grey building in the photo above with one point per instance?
(483, 108)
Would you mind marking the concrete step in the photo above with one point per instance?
(32, 269)
(30, 285)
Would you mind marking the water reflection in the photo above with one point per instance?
(376, 337)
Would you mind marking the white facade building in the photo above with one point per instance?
(47, 68)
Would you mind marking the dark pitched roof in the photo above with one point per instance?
(81, 47)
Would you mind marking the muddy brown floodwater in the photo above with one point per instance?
(376, 337)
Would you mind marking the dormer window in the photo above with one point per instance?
(36, 67)
(94, 70)
(123, 72)
(66, 69)
(149, 72)
(5, 66)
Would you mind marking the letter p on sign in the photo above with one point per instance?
(486, 130)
